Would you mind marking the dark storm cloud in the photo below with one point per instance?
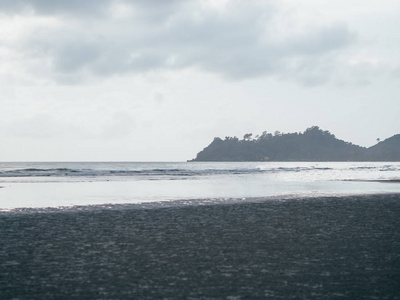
(174, 35)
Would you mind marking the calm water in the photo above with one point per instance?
(33, 184)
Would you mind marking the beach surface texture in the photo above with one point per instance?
(310, 248)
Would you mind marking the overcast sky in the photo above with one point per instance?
(157, 80)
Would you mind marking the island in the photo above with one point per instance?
(314, 144)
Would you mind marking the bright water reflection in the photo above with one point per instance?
(126, 190)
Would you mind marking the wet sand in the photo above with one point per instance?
(376, 180)
(315, 248)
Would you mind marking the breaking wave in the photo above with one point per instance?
(38, 172)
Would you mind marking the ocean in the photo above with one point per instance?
(66, 184)
(247, 230)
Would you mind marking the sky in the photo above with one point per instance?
(115, 80)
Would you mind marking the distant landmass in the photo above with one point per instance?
(314, 144)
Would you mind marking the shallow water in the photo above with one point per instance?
(68, 184)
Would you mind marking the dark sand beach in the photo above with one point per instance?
(315, 248)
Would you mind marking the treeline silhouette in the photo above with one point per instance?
(314, 144)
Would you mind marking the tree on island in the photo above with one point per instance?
(247, 136)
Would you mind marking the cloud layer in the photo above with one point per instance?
(157, 80)
(72, 41)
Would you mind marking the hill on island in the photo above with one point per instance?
(388, 150)
(314, 144)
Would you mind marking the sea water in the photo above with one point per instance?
(61, 184)
(311, 248)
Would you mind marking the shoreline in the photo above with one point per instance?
(374, 180)
(191, 202)
(289, 248)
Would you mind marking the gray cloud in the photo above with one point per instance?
(49, 7)
(174, 35)
(154, 9)
(75, 56)
(320, 41)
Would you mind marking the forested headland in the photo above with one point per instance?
(314, 144)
